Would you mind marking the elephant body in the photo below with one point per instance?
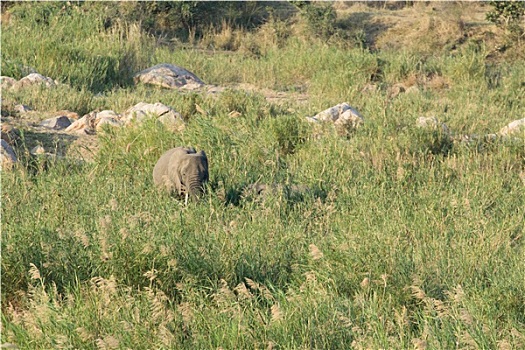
(182, 171)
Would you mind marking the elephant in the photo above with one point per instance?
(182, 170)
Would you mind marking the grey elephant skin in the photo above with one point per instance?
(182, 171)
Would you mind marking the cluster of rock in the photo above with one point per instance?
(29, 80)
(95, 121)
(90, 124)
(514, 128)
(341, 115)
(169, 76)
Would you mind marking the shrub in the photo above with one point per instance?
(319, 17)
(508, 15)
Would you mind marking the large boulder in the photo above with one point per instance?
(56, 123)
(169, 76)
(35, 79)
(7, 155)
(516, 127)
(107, 118)
(142, 111)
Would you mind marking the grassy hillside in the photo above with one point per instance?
(405, 238)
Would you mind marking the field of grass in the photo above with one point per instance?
(404, 240)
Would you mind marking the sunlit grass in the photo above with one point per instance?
(403, 238)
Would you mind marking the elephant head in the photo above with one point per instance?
(182, 170)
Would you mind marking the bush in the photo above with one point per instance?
(508, 15)
(319, 17)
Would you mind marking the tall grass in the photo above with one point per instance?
(403, 238)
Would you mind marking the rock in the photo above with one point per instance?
(431, 123)
(110, 121)
(94, 121)
(107, 114)
(349, 119)
(513, 128)
(85, 125)
(10, 134)
(107, 117)
(7, 156)
(35, 79)
(142, 111)
(7, 82)
(169, 76)
(56, 123)
(396, 89)
(171, 122)
(37, 150)
(20, 108)
(412, 90)
(341, 115)
(369, 88)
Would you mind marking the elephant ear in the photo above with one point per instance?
(202, 155)
(179, 155)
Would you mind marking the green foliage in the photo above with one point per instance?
(319, 16)
(82, 52)
(508, 15)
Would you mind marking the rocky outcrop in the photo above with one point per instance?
(169, 76)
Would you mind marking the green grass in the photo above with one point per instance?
(403, 238)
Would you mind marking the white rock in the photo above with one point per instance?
(349, 118)
(169, 76)
(142, 111)
(342, 110)
(514, 128)
(36, 79)
(107, 121)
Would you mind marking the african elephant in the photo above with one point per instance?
(182, 170)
